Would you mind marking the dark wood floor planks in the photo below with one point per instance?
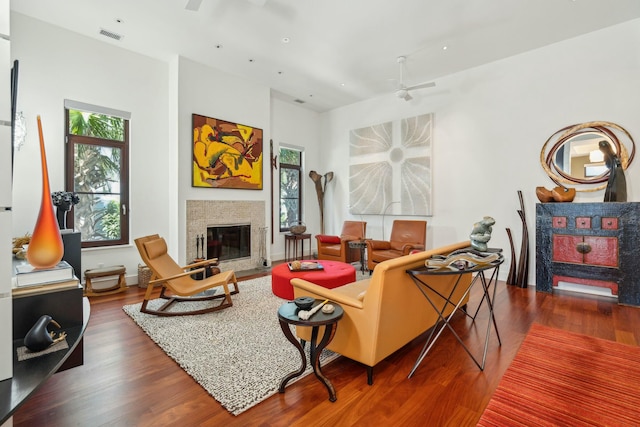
(127, 380)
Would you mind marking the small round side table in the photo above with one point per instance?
(288, 315)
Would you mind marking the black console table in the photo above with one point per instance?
(29, 375)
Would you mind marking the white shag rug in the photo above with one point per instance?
(238, 355)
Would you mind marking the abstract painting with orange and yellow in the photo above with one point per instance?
(226, 154)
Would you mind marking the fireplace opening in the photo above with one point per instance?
(227, 242)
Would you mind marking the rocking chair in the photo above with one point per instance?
(177, 281)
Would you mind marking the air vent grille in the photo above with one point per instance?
(299, 101)
(110, 34)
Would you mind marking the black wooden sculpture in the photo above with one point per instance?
(518, 275)
(616, 190)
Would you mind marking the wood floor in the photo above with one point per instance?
(126, 380)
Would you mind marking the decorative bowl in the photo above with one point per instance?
(298, 228)
(304, 303)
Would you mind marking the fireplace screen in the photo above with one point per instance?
(227, 242)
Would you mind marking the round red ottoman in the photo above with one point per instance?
(333, 274)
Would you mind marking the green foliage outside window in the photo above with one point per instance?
(290, 187)
(97, 174)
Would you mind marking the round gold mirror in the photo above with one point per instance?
(571, 156)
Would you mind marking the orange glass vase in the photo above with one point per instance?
(45, 248)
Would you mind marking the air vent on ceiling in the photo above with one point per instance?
(110, 34)
(299, 101)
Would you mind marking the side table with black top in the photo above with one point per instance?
(420, 277)
(362, 246)
(288, 315)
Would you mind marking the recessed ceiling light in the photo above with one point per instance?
(250, 59)
(286, 40)
(218, 46)
(445, 47)
(119, 21)
(279, 72)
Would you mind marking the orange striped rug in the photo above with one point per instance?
(560, 378)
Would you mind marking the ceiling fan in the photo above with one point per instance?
(403, 91)
(194, 5)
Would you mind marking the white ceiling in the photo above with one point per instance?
(340, 51)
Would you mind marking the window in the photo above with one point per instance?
(97, 169)
(290, 187)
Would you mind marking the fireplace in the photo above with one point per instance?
(227, 242)
(202, 214)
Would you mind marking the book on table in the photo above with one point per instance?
(27, 275)
(45, 287)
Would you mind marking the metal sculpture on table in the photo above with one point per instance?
(320, 187)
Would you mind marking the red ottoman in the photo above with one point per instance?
(333, 274)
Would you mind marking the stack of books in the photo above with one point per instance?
(30, 280)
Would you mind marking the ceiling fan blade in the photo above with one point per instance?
(193, 5)
(422, 86)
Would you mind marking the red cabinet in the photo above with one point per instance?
(590, 250)
(593, 244)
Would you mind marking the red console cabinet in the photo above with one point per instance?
(594, 244)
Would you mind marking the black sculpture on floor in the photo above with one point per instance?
(518, 275)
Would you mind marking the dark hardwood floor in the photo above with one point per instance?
(126, 380)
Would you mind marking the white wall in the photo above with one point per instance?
(56, 64)
(294, 126)
(490, 125)
(209, 92)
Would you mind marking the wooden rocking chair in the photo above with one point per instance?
(177, 281)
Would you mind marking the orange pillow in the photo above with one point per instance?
(322, 238)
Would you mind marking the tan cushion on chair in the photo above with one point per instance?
(155, 248)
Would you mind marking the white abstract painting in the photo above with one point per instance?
(392, 162)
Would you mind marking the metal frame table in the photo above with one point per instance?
(361, 245)
(288, 315)
(479, 271)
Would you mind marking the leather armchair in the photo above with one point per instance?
(406, 236)
(336, 248)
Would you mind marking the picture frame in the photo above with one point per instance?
(226, 154)
(390, 167)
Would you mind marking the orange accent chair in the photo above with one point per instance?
(406, 236)
(336, 248)
(177, 283)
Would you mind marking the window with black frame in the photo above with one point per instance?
(97, 170)
(290, 187)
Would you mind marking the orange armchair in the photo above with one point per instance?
(406, 236)
(336, 248)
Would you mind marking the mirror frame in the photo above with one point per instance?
(559, 138)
